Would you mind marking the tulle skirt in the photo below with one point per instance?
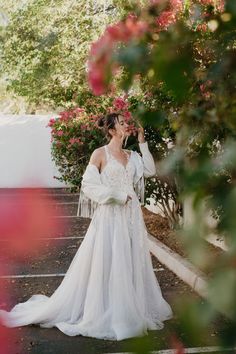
(110, 290)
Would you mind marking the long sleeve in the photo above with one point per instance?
(149, 168)
(93, 192)
(94, 189)
(144, 167)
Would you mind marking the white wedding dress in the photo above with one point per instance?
(110, 290)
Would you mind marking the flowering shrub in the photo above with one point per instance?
(99, 65)
(75, 135)
(191, 57)
(107, 55)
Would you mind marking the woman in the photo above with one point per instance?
(110, 290)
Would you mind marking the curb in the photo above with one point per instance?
(185, 270)
(217, 242)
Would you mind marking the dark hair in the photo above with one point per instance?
(108, 122)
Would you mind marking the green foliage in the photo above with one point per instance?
(45, 46)
(192, 63)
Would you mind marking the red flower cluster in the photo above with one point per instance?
(219, 5)
(122, 105)
(51, 122)
(202, 27)
(73, 141)
(99, 64)
(205, 89)
(169, 16)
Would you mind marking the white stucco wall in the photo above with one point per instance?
(25, 152)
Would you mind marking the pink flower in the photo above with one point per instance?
(202, 87)
(79, 110)
(117, 32)
(24, 218)
(202, 27)
(136, 28)
(170, 14)
(72, 141)
(7, 336)
(127, 115)
(51, 122)
(120, 104)
(132, 129)
(124, 31)
(84, 126)
(176, 5)
(100, 58)
(219, 5)
(165, 19)
(177, 344)
(60, 133)
(96, 79)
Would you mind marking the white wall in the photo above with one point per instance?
(25, 152)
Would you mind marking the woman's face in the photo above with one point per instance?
(122, 127)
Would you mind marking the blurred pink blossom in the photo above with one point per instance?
(219, 5)
(25, 218)
(165, 19)
(99, 63)
(60, 133)
(120, 104)
(51, 122)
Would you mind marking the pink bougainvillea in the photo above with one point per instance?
(165, 19)
(51, 122)
(218, 5)
(177, 344)
(25, 218)
(169, 15)
(202, 27)
(120, 104)
(73, 141)
(21, 218)
(99, 64)
(205, 89)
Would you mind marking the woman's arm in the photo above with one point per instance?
(94, 189)
(149, 167)
(148, 161)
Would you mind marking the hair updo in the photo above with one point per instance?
(108, 122)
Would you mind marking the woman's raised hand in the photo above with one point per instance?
(141, 138)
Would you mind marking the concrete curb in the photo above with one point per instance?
(186, 271)
(217, 242)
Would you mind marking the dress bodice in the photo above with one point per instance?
(115, 174)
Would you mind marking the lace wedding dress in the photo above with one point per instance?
(110, 290)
